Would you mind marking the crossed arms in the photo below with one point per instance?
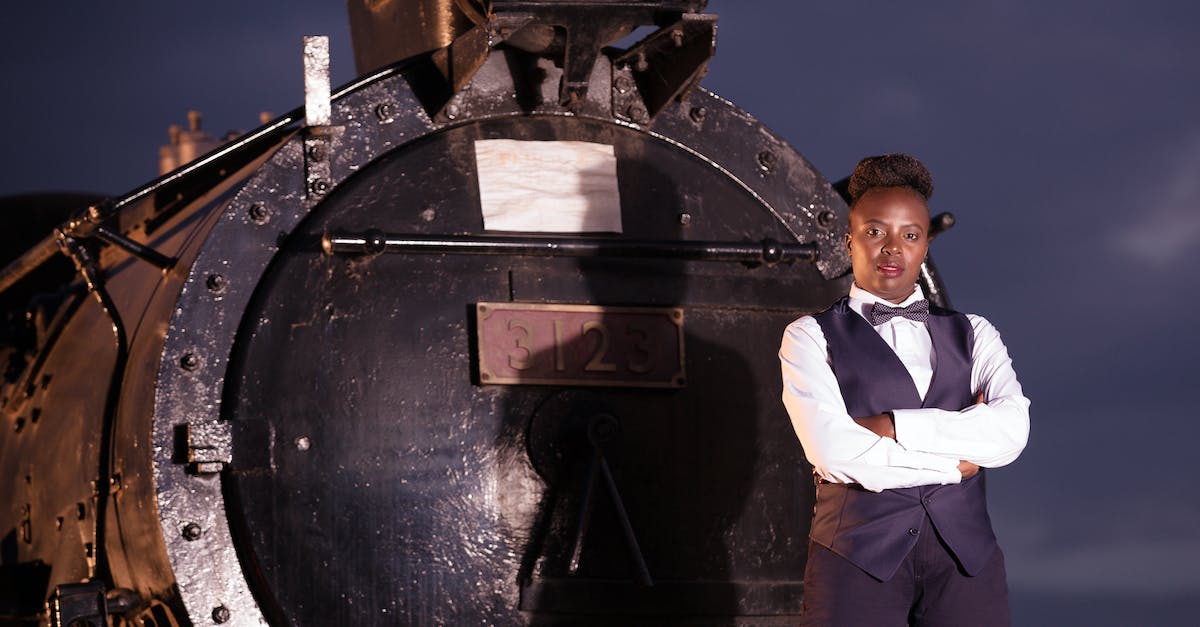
(917, 446)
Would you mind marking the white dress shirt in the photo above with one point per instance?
(929, 442)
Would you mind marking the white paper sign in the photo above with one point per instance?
(548, 186)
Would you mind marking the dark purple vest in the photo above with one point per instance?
(876, 530)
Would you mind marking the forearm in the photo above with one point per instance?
(884, 426)
(988, 434)
(991, 432)
(842, 451)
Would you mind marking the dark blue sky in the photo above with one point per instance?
(1065, 136)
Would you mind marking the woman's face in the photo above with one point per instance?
(888, 240)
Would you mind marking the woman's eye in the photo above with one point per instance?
(911, 236)
(874, 232)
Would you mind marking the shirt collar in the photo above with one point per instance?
(861, 300)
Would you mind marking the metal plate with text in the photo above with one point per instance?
(552, 344)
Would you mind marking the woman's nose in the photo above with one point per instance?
(890, 247)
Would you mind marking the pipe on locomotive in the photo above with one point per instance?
(374, 242)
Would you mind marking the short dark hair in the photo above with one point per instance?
(893, 170)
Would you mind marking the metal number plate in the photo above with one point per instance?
(551, 344)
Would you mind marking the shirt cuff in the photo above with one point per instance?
(914, 432)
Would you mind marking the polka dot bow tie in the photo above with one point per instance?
(881, 313)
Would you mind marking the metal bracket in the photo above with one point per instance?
(88, 604)
(667, 65)
(209, 446)
(90, 224)
(320, 136)
(319, 145)
(79, 605)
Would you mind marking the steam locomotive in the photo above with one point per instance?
(486, 336)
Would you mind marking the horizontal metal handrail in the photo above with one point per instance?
(373, 242)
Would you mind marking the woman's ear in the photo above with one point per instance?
(847, 240)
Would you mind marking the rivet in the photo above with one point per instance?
(638, 113)
(217, 283)
(316, 152)
(385, 112)
(452, 111)
(826, 219)
(623, 84)
(319, 186)
(766, 160)
(677, 38)
(220, 614)
(428, 215)
(639, 63)
(189, 362)
(698, 114)
(259, 214)
(191, 531)
(303, 443)
(685, 218)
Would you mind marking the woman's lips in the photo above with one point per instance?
(890, 270)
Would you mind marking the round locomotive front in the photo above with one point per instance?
(451, 423)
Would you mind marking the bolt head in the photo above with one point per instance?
(220, 614)
(319, 186)
(766, 160)
(189, 362)
(638, 113)
(385, 112)
(191, 532)
(259, 214)
(217, 283)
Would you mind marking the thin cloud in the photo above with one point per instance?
(1165, 567)
(1169, 227)
(1093, 548)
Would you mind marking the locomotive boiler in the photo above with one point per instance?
(486, 336)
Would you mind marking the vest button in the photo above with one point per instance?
(912, 531)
